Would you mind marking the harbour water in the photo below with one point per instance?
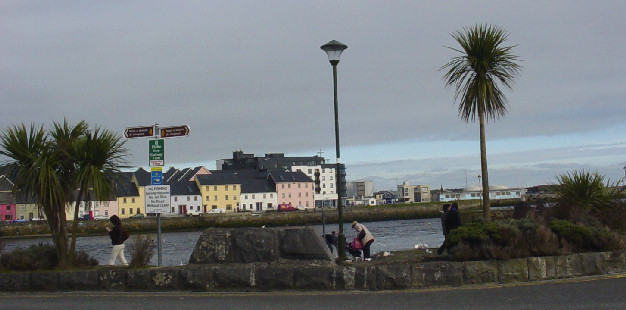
(176, 247)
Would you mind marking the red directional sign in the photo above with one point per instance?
(137, 132)
(175, 131)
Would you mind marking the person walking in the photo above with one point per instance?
(444, 212)
(366, 238)
(118, 235)
(453, 219)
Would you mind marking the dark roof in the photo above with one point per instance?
(279, 176)
(7, 198)
(143, 177)
(184, 188)
(222, 177)
(124, 187)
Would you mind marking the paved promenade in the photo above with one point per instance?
(597, 292)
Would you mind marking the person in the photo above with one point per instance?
(117, 239)
(444, 212)
(331, 241)
(452, 221)
(366, 238)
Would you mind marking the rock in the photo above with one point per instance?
(252, 244)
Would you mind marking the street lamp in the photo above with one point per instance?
(334, 49)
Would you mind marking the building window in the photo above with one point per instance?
(175, 198)
(214, 197)
(215, 188)
(226, 197)
(310, 171)
(252, 196)
(229, 207)
(173, 210)
(289, 185)
(124, 201)
(264, 196)
(188, 198)
(245, 196)
(195, 198)
(234, 187)
(214, 207)
(299, 185)
(300, 195)
(283, 195)
(130, 210)
(207, 198)
(123, 211)
(138, 211)
(282, 186)
(206, 188)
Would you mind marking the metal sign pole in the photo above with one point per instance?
(159, 257)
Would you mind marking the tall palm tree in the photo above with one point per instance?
(35, 168)
(484, 63)
(98, 156)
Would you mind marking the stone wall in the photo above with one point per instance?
(318, 275)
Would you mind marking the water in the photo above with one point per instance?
(176, 247)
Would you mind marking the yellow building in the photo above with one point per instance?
(219, 191)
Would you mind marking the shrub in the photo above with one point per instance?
(40, 257)
(591, 237)
(143, 250)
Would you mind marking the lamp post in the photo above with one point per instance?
(334, 49)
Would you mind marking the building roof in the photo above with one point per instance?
(280, 176)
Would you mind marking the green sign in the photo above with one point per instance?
(156, 152)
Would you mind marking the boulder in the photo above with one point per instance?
(253, 244)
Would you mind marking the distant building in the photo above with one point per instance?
(475, 193)
(413, 193)
(360, 189)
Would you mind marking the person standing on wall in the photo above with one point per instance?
(118, 235)
(366, 238)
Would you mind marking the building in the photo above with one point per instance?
(413, 193)
(294, 188)
(360, 189)
(475, 193)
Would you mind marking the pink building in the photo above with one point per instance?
(294, 188)
(7, 212)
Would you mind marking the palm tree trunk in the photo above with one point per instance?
(72, 247)
(483, 168)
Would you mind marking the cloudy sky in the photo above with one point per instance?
(250, 75)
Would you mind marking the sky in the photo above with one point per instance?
(250, 76)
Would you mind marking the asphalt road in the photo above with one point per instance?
(601, 292)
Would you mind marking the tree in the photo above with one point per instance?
(476, 74)
(49, 166)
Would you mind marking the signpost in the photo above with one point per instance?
(175, 131)
(157, 195)
(156, 152)
(138, 132)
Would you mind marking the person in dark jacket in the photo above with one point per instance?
(117, 239)
(452, 221)
(444, 212)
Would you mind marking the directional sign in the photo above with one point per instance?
(157, 198)
(156, 152)
(137, 132)
(175, 131)
(156, 176)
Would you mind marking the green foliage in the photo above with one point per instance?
(581, 195)
(587, 237)
(40, 257)
(143, 250)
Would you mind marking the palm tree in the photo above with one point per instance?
(98, 156)
(49, 167)
(34, 167)
(475, 75)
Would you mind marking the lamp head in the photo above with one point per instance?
(334, 49)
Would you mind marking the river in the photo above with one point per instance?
(178, 246)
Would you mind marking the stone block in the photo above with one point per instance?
(314, 277)
(44, 281)
(513, 270)
(304, 244)
(478, 272)
(252, 244)
(112, 279)
(365, 277)
(568, 266)
(613, 262)
(235, 276)
(537, 268)
(344, 277)
(78, 280)
(12, 282)
(197, 277)
(591, 263)
(269, 277)
(437, 274)
(390, 277)
(164, 278)
(138, 279)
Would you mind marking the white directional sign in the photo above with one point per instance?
(157, 198)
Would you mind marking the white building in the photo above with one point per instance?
(475, 193)
(324, 178)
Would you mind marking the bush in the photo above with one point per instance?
(40, 257)
(588, 237)
(498, 240)
(143, 250)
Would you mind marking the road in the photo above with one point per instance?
(600, 292)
